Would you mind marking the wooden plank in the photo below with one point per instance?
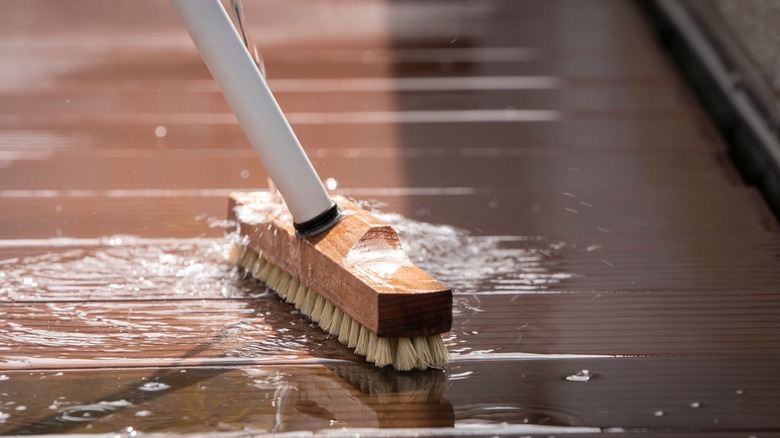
(646, 100)
(213, 332)
(630, 136)
(187, 269)
(624, 394)
(633, 324)
(32, 214)
(691, 394)
(202, 332)
(92, 216)
(86, 171)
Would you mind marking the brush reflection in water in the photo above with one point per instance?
(274, 398)
(357, 396)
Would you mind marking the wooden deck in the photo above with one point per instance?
(542, 158)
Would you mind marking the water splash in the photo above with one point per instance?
(126, 432)
(466, 262)
(154, 386)
(128, 268)
(91, 412)
(581, 376)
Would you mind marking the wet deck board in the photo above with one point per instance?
(191, 213)
(710, 397)
(542, 158)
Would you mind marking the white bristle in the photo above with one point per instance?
(383, 352)
(300, 295)
(346, 324)
(236, 253)
(248, 258)
(257, 267)
(316, 312)
(362, 347)
(335, 324)
(406, 356)
(265, 272)
(371, 350)
(308, 304)
(275, 278)
(354, 334)
(423, 352)
(292, 289)
(283, 289)
(438, 350)
(327, 315)
(403, 353)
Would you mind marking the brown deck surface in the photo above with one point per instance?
(540, 157)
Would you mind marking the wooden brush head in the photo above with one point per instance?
(358, 265)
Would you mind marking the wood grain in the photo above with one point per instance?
(388, 295)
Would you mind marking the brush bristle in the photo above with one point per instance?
(403, 354)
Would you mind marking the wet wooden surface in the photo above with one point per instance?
(541, 158)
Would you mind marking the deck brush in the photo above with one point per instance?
(338, 264)
(354, 281)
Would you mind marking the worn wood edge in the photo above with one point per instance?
(406, 303)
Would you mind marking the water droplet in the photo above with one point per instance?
(3, 417)
(740, 392)
(154, 386)
(91, 412)
(695, 404)
(160, 131)
(244, 174)
(143, 413)
(4, 377)
(658, 413)
(331, 183)
(127, 432)
(27, 281)
(580, 376)
(21, 408)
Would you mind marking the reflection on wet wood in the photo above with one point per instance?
(656, 394)
(615, 323)
(622, 393)
(187, 400)
(547, 164)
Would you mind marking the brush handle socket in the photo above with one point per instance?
(258, 113)
(319, 224)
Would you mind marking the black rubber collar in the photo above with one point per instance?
(319, 223)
